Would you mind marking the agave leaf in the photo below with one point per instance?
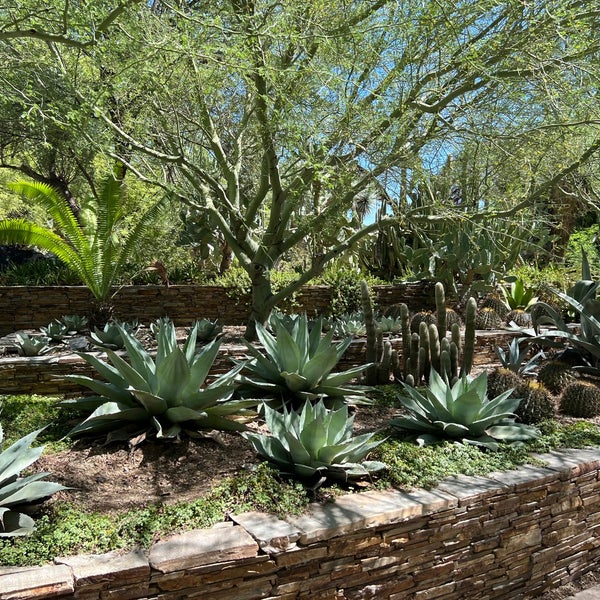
(269, 344)
(181, 414)
(14, 523)
(110, 373)
(513, 432)
(84, 403)
(141, 362)
(268, 447)
(106, 415)
(320, 365)
(221, 423)
(296, 382)
(306, 470)
(189, 347)
(340, 426)
(133, 377)
(298, 453)
(335, 379)
(172, 375)
(412, 423)
(106, 390)
(466, 407)
(454, 430)
(30, 492)
(153, 405)
(313, 437)
(202, 363)
(19, 456)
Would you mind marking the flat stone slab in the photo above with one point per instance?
(466, 487)
(202, 547)
(272, 534)
(368, 509)
(94, 568)
(38, 582)
(526, 474)
(566, 461)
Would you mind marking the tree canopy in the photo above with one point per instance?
(276, 119)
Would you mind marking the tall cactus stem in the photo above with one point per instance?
(469, 344)
(440, 308)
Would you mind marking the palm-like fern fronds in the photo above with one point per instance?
(91, 247)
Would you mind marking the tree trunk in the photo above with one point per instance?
(261, 300)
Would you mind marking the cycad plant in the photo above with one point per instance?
(315, 442)
(166, 395)
(17, 491)
(94, 245)
(297, 364)
(462, 412)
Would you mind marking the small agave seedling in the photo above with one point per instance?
(315, 442)
(165, 395)
(462, 412)
(17, 491)
(208, 330)
(514, 359)
(75, 323)
(55, 331)
(32, 345)
(110, 335)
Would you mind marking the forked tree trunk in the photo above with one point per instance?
(261, 300)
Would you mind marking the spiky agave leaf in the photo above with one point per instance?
(315, 441)
(462, 411)
(165, 394)
(297, 363)
(16, 490)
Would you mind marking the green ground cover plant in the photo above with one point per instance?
(63, 529)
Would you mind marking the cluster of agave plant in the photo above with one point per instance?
(290, 381)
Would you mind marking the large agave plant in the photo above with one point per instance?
(315, 442)
(462, 412)
(18, 491)
(298, 364)
(166, 394)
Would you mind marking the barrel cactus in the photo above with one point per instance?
(581, 399)
(537, 403)
(556, 375)
(423, 316)
(488, 318)
(502, 379)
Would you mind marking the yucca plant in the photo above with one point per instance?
(17, 491)
(297, 365)
(462, 412)
(94, 246)
(32, 345)
(315, 443)
(165, 395)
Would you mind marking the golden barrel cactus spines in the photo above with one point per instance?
(555, 375)
(537, 403)
(488, 318)
(519, 317)
(502, 379)
(494, 301)
(581, 399)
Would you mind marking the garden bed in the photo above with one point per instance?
(511, 534)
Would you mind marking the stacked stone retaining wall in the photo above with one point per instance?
(25, 307)
(512, 534)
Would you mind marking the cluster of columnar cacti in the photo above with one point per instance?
(429, 347)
